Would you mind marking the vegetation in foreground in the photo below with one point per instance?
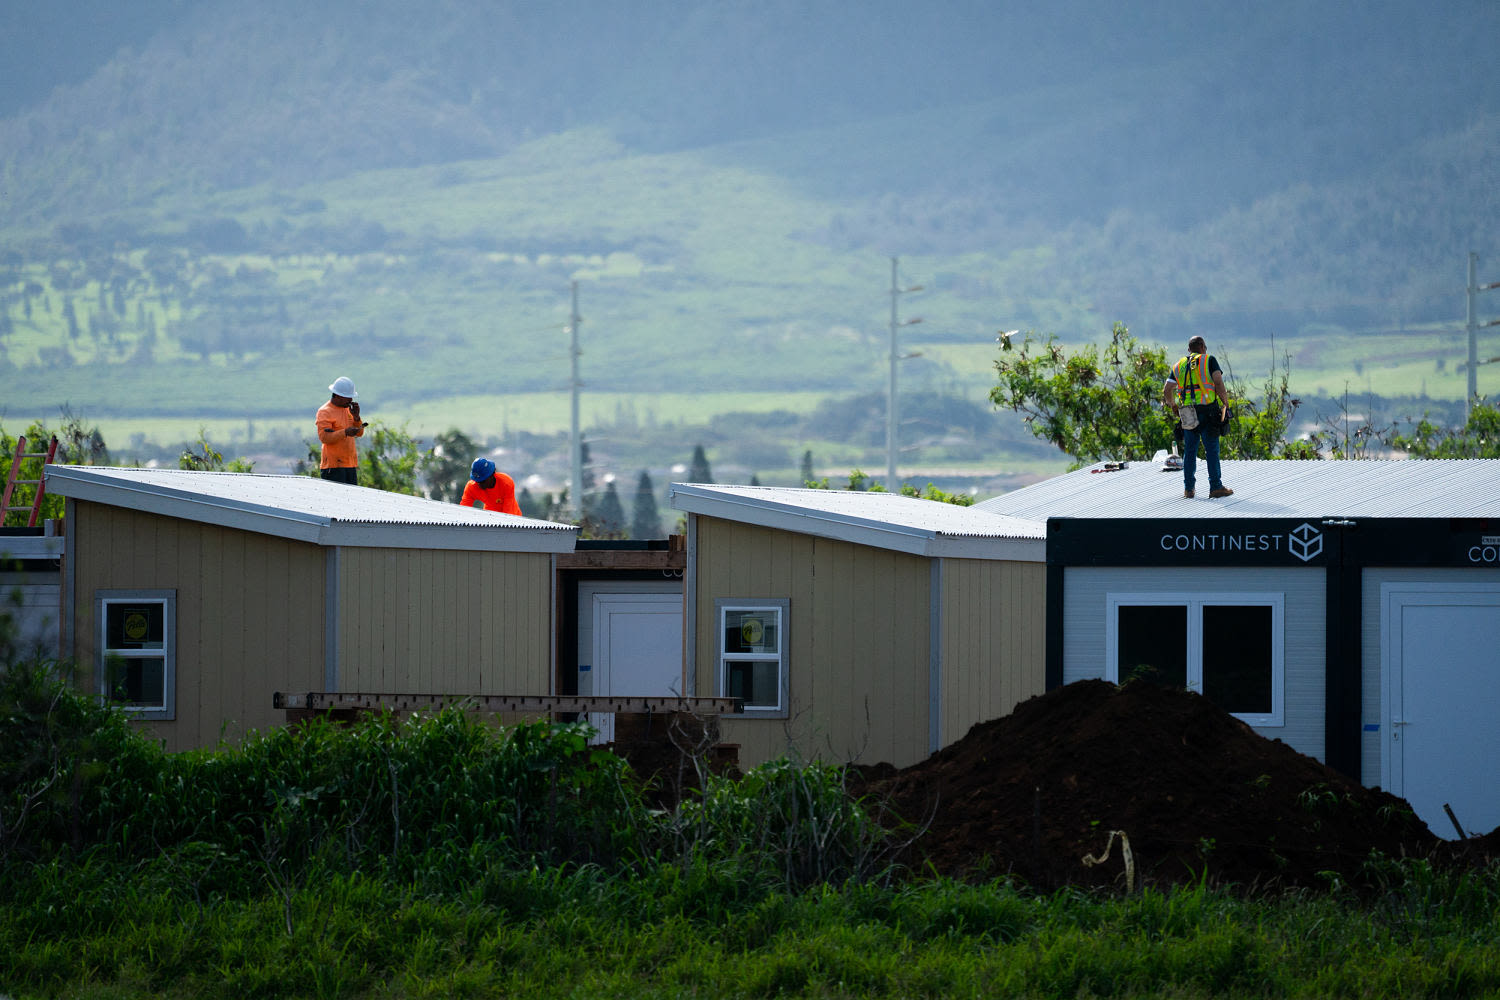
(440, 856)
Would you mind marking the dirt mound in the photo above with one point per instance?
(1196, 791)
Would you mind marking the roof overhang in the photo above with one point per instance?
(413, 522)
(943, 534)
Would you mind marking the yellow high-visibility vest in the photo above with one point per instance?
(1195, 387)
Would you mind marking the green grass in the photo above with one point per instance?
(583, 935)
(442, 857)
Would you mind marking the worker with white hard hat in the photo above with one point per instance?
(338, 425)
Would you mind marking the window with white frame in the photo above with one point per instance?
(137, 659)
(752, 654)
(1227, 647)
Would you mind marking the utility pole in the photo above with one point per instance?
(1471, 326)
(891, 483)
(1472, 366)
(575, 440)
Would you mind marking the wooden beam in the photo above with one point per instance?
(332, 700)
(622, 559)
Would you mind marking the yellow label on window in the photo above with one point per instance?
(752, 631)
(136, 626)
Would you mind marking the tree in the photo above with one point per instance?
(530, 506)
(308, 465)
(699, 472)
(1479, 437)
(556, 508)
(586, 469)
(1100, 405)
(1092, 406)
(645, 519)
(859, 482)
(589, 498)
(446, 464)
(388, 459)
(807, 468)
(941, 496)
(209, 459)
(77, 444)
(1259, 429)
(611, 514)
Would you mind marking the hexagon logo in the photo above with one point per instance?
(1305, 542)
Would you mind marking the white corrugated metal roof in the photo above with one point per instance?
(309, 509)
(883, 520)
(1268, 489)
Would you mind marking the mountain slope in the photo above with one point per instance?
(1179, 109)
(267, 190)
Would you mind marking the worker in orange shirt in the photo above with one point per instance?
(338, 425)
(490, 490)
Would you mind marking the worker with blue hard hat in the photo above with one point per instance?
(489, 489)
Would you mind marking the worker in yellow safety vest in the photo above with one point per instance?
(1195, 392)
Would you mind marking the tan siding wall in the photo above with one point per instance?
(445, 622)
(249, 614)
(859, 650)
(994, 640)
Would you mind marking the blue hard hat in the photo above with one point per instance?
(481, 470)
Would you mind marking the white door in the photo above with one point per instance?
(1442, 647)
(637, 649)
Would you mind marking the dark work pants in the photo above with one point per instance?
(1210, 437)
(350, 475)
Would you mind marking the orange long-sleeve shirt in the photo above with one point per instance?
(338, 447)
(501, 496)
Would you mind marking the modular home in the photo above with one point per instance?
(190, 598)
(856, 626)
(1348, 608)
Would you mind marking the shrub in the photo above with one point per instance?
(794, 822)
(65, 762)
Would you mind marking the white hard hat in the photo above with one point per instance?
(343, 386)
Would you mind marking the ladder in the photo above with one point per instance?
(13, 480)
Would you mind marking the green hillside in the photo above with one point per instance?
(208, 228)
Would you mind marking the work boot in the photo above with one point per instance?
(1187, 494)
(1222, 491)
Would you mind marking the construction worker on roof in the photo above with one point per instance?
(488, 489)
(1195, 392)
(338, 425)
